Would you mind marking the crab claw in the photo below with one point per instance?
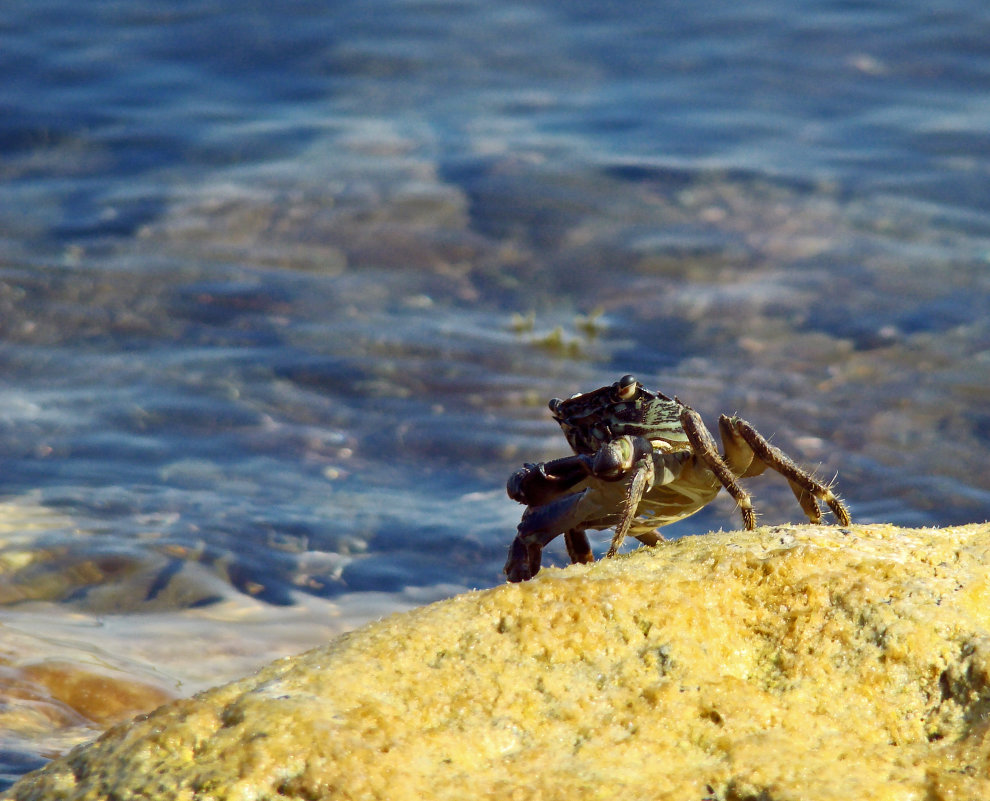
(614, 460)
(537, 484)
(523, 562)
(540, 525)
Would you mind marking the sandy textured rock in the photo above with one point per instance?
(786, 663)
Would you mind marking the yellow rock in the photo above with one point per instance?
(786, 663)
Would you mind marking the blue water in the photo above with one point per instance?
(284, 288)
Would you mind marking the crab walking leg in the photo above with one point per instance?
(641, 483)
(801, 482)
(578, 547)
(704, 447)
(744, 462)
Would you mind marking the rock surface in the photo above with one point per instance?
(786, 663)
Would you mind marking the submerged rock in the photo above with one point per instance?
(96, 695)
(786, 663)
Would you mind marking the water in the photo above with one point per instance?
(284, 291)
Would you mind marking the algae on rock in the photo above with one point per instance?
(795, 662)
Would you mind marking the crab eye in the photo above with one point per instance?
(625, 388)
(554, 405)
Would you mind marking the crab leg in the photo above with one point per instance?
(807, 490)
(704, 447)
(578, 546)
(641, 483)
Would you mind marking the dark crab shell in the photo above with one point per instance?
(625, 408)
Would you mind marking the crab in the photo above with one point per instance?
(641, 460)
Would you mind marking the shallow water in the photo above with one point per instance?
(283, 295)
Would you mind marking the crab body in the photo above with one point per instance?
(641, 460)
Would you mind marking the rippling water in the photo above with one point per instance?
(284, 291)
